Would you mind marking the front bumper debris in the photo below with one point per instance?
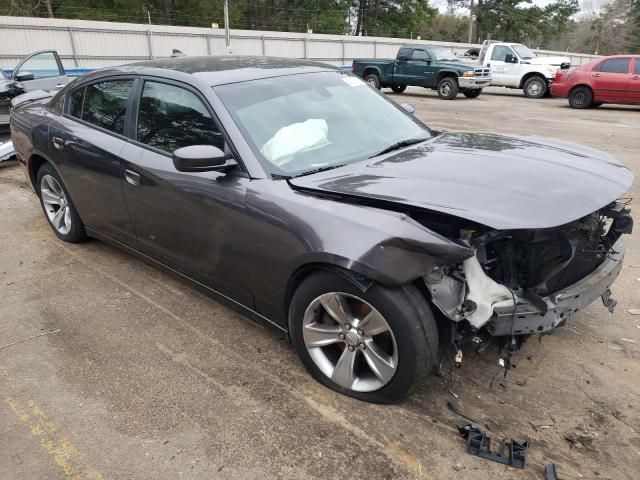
(561, 305)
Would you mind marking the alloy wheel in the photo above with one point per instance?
(350, 342)
(445, 89)
(56, 205)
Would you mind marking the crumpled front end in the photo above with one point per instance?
(521, 282)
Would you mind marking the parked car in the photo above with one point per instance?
(424, 66)
(514, 65)
(265, 182)
(613, 79)
(7, 152)
(38, 71)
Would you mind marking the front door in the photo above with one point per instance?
(633, 90)
(420, 70)
(610, 79)
(87, 140)
(503, 73)
(189, 221)
(47, 70)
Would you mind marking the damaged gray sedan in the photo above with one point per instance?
(311, 202)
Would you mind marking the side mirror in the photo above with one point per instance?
(24, 77)
(200, 158)
(510, 58)
(407, 108)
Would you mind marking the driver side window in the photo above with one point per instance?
(42, 65)
(419, 55)
(500, 53)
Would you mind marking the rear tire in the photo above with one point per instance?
(472, 93)
(398, 88)
(580, 97)
(373, 79)
(448, 88)
(58, 207)
(535, 87)
(408, 339)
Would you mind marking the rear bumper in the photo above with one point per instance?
(473, 82)
(562, 304)
(559, 90)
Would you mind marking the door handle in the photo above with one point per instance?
(58, 143)
(596, 74)
(132, 177)
(60, 85)
(635, 77)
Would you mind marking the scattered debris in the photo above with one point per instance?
(634, 311)
(542, 423)
(550, 472)
(521, 383)
(456, 409)
(458, 466)
(511, 453)
(579, 440)
(628, 340)
(29, 338)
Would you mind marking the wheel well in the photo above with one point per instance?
(368, 71)
(442, 75)
(578, 86)
(35, 162)
(360, 281)
(530, 75)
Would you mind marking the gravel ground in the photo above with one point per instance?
(146, 378)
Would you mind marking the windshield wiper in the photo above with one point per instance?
(320, 169)
(399, 145)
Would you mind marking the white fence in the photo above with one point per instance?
(94, 44)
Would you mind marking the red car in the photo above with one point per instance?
(613, 79)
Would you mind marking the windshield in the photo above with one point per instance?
(443, 54)
(2, 74)
(300, 123)
(523, 52)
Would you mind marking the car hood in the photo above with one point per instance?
(500, 182)
(548, 60)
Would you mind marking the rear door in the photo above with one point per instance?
(86, 143)
(47, 70)
(633, 90)
(189, 221)
(610, 79)
(401, 74)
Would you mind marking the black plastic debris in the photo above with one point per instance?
(511, 453)
(550, 472)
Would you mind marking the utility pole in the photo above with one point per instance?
(227, 33)
(471, 21)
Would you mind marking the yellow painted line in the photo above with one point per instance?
(63, 452)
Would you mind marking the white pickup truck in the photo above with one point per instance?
(514, 65)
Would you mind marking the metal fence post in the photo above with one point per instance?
(149, 44)
(342, 49)
(305, 46)
(73, 47)
(206, 39)
(264, 50)
(375, 49)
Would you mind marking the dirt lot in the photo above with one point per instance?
(147, 379)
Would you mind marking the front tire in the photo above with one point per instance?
(373, 345)
(448, 88)
(535, 87)
(373, 79)
(398, 88)
(58, 207)
(581, 97)
(472, 93)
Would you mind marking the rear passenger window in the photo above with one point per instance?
(614, 65)
(172, 117)
(105, 104)
(75, 103)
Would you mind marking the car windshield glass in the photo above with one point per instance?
(523, 52)
(2, 74)
(443, 54)
(301, 123)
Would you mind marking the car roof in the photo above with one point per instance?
(218, 70)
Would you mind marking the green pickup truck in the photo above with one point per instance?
(425, 66)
